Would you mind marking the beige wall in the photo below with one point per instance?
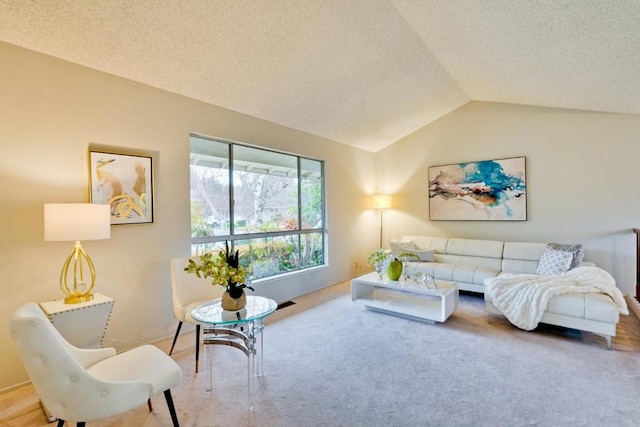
(581, 174)
(582, 178)
(52, 110)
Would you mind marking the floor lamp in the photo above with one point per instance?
(381, 202)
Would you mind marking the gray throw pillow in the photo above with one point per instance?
(576, 251)
(554, 262)
(399, 246)
(422, 254)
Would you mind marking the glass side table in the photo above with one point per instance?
(240, 329)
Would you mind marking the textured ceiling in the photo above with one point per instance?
(362, 72)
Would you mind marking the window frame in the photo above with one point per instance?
(232, 237)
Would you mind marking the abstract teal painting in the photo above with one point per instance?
(489, 190)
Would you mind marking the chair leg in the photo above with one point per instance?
(175, 338)
(172, 409)
(60, 422)
(197, 346)
(149, 405)
(80, 424)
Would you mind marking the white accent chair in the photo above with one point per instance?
(89, 384)
(188, 292)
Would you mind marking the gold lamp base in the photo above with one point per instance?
(79, 291)
(75, 299)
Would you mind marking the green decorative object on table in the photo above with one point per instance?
(224, 269)
(394, 270)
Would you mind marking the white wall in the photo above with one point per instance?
(52, 110)
(582, 178)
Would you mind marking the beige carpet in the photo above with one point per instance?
(329, 362)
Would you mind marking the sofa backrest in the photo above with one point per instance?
(521, 257)
(511, 257)
(438, 244)
(474, 252)
(475, 248)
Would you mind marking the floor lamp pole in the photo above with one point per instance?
(381, 212)
(381, 202)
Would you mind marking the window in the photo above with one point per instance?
(267, 204)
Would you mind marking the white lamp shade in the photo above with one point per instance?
(382, 201)
(70, 222)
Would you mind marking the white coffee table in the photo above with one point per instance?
(405, 299)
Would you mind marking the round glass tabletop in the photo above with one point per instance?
(212, 312)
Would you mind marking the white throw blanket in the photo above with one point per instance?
(523, 298)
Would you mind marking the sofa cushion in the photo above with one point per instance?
(490, 263)
(426, 268)
(576, 252)
(528, 251)
(463, 273)
(482, 273)
(475, 248)
(444, 271)
(554, 262)
(438, 244)
(423, 255)
(589, 306)
(519, 266)
(399, 246)
(522, 257)
(567, 305)
(456, 272)
(601, 308)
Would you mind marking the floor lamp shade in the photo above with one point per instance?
(382, 201)
(69, 222)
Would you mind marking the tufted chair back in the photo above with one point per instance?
(57, 371)
(89, 384)
(189, 291)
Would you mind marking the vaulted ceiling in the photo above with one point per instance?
(361, 72)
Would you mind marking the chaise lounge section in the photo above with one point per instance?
(594, 313)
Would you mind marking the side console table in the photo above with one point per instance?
(83, 324)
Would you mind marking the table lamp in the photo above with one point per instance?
(381, 202)
(68, 222)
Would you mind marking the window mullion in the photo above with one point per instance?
(270, 252)
(231, 194)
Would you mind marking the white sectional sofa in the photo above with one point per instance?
(468, 262)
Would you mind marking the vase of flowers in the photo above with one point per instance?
(224, 269)
(378, 260)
